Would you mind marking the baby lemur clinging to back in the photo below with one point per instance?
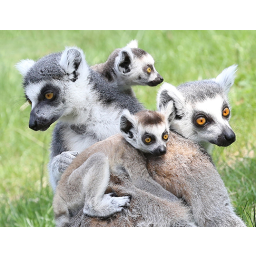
(118, 164)
(126, 165)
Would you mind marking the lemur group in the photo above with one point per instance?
(114, 163)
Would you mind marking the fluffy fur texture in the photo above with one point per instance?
(115, 165)
(82, 98)
(186, 170)
(207, 99)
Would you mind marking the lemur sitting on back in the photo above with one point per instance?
(119, 164)
(122, 164)
(62, 87)
(202, 109)
(136, 68)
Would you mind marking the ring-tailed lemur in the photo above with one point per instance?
(117, 164)
(136, 68)
(202, 109)
(61, 86)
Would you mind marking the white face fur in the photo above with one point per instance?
(148, 135)
(51, 98)
(205, 119)
(136, 67)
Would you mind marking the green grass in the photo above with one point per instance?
(25, 195)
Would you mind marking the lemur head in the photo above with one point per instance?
(53, 85)
(130, 66)
(202, 110)
(147, 131)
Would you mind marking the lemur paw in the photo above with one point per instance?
(65, 159)
(109, 205)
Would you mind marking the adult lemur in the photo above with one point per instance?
(123, 164)
(61, 86)
(202, 109)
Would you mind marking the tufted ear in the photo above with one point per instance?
(123, 60)
(226, 78)
(168, 94)
(127, 122)
(71, 61)
(133, 44)
(24, 66)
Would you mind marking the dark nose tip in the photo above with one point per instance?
(33, 124)
(161, 79)
(230, 136)
(162, 150)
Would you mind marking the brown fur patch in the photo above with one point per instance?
(147, 117)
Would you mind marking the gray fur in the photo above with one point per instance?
(47, 68)
(151, 205)
(199, 90)
(77, 128)
(205, 98)
(186, 171)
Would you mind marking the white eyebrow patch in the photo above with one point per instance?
(212, 107)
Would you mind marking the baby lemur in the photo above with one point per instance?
(126, 165)
(118, 164)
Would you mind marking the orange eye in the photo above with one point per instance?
(148, 140)
(225, 112)
(49, 95)
(149, 70)
(201, 120)
(165, 136)
(29, 101)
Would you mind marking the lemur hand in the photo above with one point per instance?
(59, 164)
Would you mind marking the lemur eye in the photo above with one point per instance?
(201, 120)
(49, 95)
(165, 136)
(29, 101)
(147, 139)
(226, 112)
(149, 70)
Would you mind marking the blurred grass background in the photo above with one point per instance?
(25, 194)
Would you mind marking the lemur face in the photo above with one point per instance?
(52, 85)
(135, 66)
(207, 121)
(147, 131)
(202, 108)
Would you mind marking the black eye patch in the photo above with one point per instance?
(200, 123)
(49, 88)
(148, 139)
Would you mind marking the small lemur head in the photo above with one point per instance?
(202, 110)
(51, 84)
(130, 66)
(147, 130)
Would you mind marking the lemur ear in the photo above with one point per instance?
(226, 78)
(24, 66)
(123, 60)
(127, 121)
(133, 44)
(71, 61)
(167, 94)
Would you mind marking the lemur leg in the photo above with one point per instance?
(58, 165)
(95, 183)
(85, 189)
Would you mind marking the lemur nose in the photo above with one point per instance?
(32, 124)
(162, 150)
(230, 136)
(161, 79)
